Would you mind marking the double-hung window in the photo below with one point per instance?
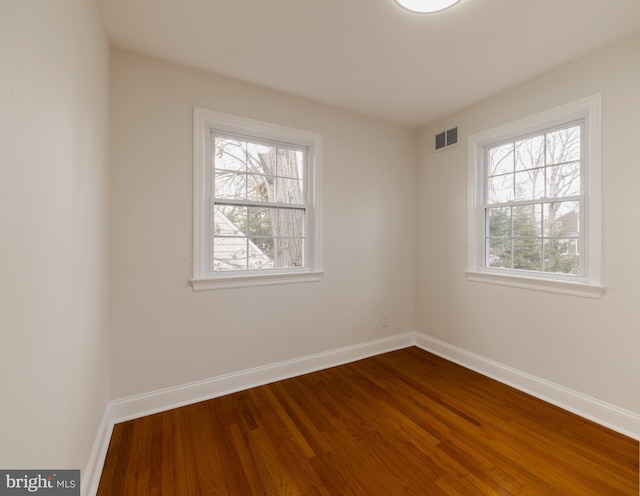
(534, 217)
(256, 202)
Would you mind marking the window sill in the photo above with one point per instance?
(570, 288)
(250, 280)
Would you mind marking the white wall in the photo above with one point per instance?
(54, 92)
(162, 333)
(590, 346)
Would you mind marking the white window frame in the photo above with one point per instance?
(205, 122)
(590, 285)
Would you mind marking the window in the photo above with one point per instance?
(534, 213)
(256, 203)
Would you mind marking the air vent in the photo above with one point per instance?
(446, 138)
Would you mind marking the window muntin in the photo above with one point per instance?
(533, 198)
(259, 202)
(586, 111)
(256, 203)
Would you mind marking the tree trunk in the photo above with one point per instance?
(286, 222)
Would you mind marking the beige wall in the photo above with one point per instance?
(588, 346)
(162, 333)
(54, 92)
(54, 187)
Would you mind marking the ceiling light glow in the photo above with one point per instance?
(426, 6)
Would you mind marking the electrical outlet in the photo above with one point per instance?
(384, 320)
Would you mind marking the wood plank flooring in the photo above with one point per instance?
(402, 423)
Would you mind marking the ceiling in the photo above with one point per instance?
(371, 56)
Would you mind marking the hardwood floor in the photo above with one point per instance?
(405, 422)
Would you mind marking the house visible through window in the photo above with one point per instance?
(534, 213)
(256, 206)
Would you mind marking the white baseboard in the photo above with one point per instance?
(120, 410)
(90, 478)
(618, 419)
(173, 397)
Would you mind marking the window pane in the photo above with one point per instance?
(262, 221)
(501, 189)
(290, 163)
(532, 209)
(527, 254)
(499, 253)
(229, 253)
(262, 158)
(499, 221)
(562, 219)
(249, 176)
(563, 180)
(229, 220)
(563, 146)
(527, 221)
(290, 222)
(290, 252)
(260, 188)
(290, 191)
(501, 159)
(529, 184)
(230, 154)
(561, 256)
(261, 253)
(230, 185)
(530, 153)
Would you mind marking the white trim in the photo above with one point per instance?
(590, 109)
(246, 280)
(204, 121)
(611, 416)
(173, 397)
(548, 285)
(90, 478)
(132, 407)
(618, 419)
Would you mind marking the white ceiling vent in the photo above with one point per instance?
(446, 138)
